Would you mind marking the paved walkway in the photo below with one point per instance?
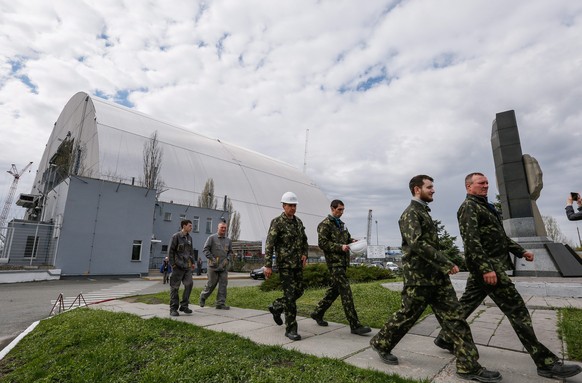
(498, 345)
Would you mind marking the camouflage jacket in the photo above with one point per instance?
(180, 251)
(422, 262)
(287, 240)
(330, 239)
(487, 247)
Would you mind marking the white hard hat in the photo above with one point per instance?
(358, 247)
(289, 197)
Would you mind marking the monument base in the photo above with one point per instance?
(543, 264)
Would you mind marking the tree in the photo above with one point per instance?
(234, 224)
(206, 198)
(448, 247)
(554, 231)
(497, 205)
(152, 165)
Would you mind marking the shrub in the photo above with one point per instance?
(317, 275)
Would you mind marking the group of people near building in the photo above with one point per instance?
(425, 269)
(183, 260)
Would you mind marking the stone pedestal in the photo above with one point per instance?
(543, 264)
(522, 231)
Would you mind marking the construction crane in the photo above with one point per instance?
(8, 202)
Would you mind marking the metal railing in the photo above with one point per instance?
(28, 244)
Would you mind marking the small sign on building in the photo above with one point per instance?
(376, 251)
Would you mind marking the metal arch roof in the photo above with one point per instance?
(113, 138)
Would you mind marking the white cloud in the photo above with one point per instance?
(260, 73)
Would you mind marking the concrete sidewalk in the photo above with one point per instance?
(498, 345)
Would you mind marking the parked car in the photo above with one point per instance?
(392, 266)
(377, 264)
(258, 274)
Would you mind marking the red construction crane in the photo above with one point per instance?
(8, 202)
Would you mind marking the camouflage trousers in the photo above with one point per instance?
(292, 284)
(340, 286)
(510, 302)
(444, 303)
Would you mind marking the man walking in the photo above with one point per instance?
(287, 240)
(487, 250)
(426, 282)
(182, 259)
(166, 269)
(333, 238)
(217, 249)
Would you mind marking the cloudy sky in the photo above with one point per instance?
(387, 89)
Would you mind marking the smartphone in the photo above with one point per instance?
(574, 196)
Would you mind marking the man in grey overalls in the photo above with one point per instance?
(217, 249)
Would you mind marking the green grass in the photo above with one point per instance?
(85, 345)
(373, 302)
(570, 329)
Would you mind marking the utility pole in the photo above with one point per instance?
(369, 234)
(8, 202)
(305, 155)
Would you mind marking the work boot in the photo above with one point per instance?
(319, 320)
(386, 357)
(222, 307)
(482, 375)
(174, 313)
(559, 370)
(361, 330)
(440, 342)
(185, 309)
(293, 335)
(276, 316)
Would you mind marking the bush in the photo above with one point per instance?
(317, 275)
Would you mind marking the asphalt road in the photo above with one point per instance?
(21, 304)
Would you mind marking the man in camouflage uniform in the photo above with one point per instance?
(182, 259)
(287, 240)
(487, 249)
(333, 238)
(426, 282)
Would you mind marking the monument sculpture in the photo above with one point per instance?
(519, 181)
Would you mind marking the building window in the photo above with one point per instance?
(196, 224)
(164, 248)
(182, 217)
(136, 250)
(167, 216)
(31, 249)
(208, 225)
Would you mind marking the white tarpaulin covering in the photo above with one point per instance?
(112, 139)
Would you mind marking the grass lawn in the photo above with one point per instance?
(374, 303)
(570, 329)
(85, 345)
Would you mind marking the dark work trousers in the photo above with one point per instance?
(443, 301)
(180, 276)
(340, 286)
(219, 278)
(510, 302)
(292, 284)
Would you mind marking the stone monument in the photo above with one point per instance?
(519, 181)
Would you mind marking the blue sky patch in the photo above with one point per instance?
(15, 67)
